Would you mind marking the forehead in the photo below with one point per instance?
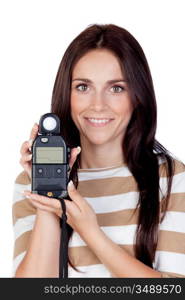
(98, 62)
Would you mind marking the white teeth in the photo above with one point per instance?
(99, 121)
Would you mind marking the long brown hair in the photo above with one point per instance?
(141, 150)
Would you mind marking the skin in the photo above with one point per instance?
(99, 99)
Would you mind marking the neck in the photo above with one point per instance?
(100, 156)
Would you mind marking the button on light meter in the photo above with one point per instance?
(44, 140)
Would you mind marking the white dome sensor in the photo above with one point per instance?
(49, 123)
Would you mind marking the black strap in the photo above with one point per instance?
(63, 255)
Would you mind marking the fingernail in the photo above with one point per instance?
(35, 125)
(71, 185)
(30, 156)
(78, 149)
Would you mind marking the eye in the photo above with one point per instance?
(81, 87)
(117, 88)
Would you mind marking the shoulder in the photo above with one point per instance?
(23, 178)
(178, 167)
(176, 185)
(176, 200)
(21, 207)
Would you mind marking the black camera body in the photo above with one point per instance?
(50, 159)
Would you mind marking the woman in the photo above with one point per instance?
(126, 214)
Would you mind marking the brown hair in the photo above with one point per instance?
(140, 148)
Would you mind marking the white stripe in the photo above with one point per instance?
(170, 262)
(92, 271)
(17, 260)
(23, 224)
(108, 204)
(178, 183)
(123, 235)
(18, 188)
(173, 221)
(122, 171)
(117, 172)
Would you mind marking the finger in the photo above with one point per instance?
(26, 147)
(71, 207)
(34, 131)
(43, 204)
(69, 220)
(74, 154)
(51, 202)
(75, 195)
(44, 207)
(25, 158)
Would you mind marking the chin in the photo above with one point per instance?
(98, 141)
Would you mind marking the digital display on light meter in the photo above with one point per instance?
(49, 155)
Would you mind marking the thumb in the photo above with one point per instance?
(74, 154)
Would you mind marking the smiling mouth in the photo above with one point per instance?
(98, 122)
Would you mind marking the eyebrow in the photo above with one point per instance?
(89, 81)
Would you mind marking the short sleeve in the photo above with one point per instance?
(23, 217)
(170, 254)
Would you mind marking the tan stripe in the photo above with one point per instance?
(171, 241)
(118, 218)
(107, 186)
(83, 256)
(176, 202)
(130, 216)
(179, 167)
(117, 185)
(22, 209)
(21, 243)
(171, 275)
(23, 178)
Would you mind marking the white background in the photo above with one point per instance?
(33, 37)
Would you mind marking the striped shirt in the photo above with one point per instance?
(112, 192)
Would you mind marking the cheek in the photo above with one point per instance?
(74, 106)
(77, 107)
(123, 108)
(128, 109)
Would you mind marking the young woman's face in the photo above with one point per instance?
(100, 102)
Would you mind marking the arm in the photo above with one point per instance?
(40, 240)
(116, 259)
(170, 258)
(82, 219)
(42, 256)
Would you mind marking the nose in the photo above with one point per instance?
(98, 102)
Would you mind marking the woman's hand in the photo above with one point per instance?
(25, 151)
(26, 154)
(80, 215)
